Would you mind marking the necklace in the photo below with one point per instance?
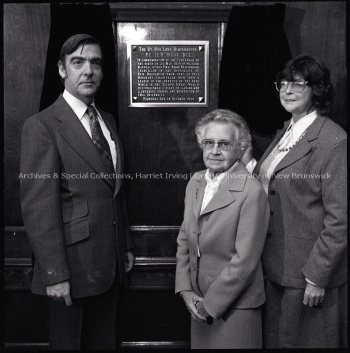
(289, 148)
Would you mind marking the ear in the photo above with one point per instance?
(61, 69)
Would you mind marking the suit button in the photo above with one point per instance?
(272, 192)
(206, 218)
(271, 213)
(114, 223)
(269, 234)
(194, 268)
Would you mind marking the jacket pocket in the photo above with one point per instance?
(75, 211)
(75, 223)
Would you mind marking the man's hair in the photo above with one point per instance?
(227, 116)
(74, 42)
(314, 71)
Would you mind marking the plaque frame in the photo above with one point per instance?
(134, 104)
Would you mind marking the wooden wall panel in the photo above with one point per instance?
(161, 141)
(26, 33)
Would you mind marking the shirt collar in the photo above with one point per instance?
(76, 104)
(301, 125)
(219, 178)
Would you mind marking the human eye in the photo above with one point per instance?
(77, 63)
(96, 64)
(283, 83)
(208, 144)
(299, 83)
(224, 145)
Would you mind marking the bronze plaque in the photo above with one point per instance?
(168, 73)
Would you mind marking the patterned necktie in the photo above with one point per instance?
(99, 139)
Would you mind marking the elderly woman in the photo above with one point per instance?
(304, 175)
(219, 273)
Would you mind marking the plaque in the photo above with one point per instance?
(168, 73)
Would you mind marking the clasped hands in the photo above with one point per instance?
(61, 291)
(194, 304)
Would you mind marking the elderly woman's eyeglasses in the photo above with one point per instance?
(222, 145)
(297, 85)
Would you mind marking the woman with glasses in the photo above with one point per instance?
(303, 172)
(219, 273)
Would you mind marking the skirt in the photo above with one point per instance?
(241, 328)
(288, 323)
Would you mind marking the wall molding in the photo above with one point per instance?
(172, 12)
(13, 230)
(124, 345)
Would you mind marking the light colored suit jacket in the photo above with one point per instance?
(307, 234)
(231, 232)
(75, 220)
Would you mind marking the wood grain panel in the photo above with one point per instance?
(26, 31)
(150, 241)
(171, 11)
(161, 141)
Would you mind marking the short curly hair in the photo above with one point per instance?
(314, 71)
(227, 116)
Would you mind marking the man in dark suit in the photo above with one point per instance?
(73, 209)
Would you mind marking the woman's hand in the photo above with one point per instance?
(313, 295)
(201, 310)
(192, 299)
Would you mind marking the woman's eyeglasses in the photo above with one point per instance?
(222, 145)
(297, 85)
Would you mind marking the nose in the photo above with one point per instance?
(216, 149)
(290, 88)
(88, 68)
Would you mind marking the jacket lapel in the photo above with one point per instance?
(199, 194)
(74, 133)
(235, 182)
(303, 146)
(278, 136)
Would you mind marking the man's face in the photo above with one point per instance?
(82, 72)
(216, 160)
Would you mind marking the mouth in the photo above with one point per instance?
(88, 83)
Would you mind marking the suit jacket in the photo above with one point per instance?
(75, 220)
(231, 235)
(307, 234)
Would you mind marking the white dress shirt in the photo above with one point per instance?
(297, 130)
(213, 185)
(79, 109)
